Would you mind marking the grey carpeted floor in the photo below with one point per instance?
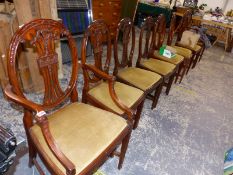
(187, 134)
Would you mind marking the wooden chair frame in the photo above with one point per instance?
(148, 30)
(177, 30)
(186, 24)
(99, 36)
(42, 34)
(125, 32)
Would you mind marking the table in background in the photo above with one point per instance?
(145, 9)
(215, 28)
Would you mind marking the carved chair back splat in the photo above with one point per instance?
(125, 33)
(42, 35)
(159, 33)
(145, 38)
(99, 37)
(185, 24)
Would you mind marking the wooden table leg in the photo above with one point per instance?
(228, 45)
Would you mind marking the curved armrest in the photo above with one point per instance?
(20, 100)
(41, 118)
(111, 80)
(99, 73)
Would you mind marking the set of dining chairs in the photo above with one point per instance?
(77, 138)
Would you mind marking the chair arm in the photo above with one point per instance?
(111, 80)
(98, 72)
(29, 105)
(42, 120)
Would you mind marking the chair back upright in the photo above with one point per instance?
(185, 24)
(173, 29)
(159, 32)
(43, 35)
(98, 35)
(124, 45)
(145, 39)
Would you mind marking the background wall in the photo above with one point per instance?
(226, 5)
(213, 3)
(229, 5)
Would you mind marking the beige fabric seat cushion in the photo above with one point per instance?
(127, 94)
(174, 60)
(82, 132)
(186, 53)
(140, 78)
(196, 48)
(158, 66)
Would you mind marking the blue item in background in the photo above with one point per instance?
(75, 21)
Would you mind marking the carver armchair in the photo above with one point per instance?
(146, 59)
(71, 138)
(124, 44)
(100, 87)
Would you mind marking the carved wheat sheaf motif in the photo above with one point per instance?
(44, 42)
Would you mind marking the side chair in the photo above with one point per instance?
(198, 49)
(177, 60)
(72, 138)
(186, 53)
(146, 59)
(124, 46)
(100, 87)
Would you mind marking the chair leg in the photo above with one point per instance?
(179, 71)
(27, 121)
(201, 54)
(124, 147)
(138, 115)
(170, 81)
(190, 63)
(196, 60)
(156, 96)
(84, 98)
(182, 74)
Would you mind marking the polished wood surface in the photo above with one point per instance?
(124, 37)
(99, 36)
(109, 11)
(149, 39)
(186, 24)
(42, 34)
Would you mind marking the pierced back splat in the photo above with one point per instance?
(42, 34)
(145, 39)
(186, 22)
(99, 37)
(159, 33)
(125, 32)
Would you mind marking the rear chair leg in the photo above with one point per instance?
(156, 96)
(196, 60)
(124, 147)
(190, 63)
(138, 115)
(170, 84)
(179, 70)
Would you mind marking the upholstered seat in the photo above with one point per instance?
(94, 129)
(186, 53)
(140, 78)
(158, 66)
(197, 48)
(127, 94)
(177, 59)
